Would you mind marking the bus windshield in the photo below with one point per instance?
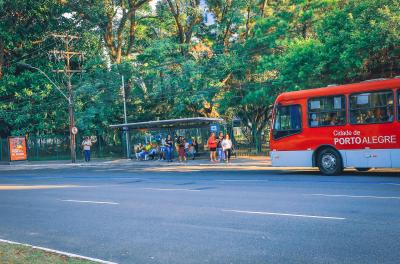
(287, 121)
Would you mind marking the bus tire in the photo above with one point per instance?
(362, 169)
(329, 162)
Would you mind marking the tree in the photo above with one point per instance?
(176, 63)
(24, 26)
(187, 14)
(117, 21)
(360, 41)
(27, 101)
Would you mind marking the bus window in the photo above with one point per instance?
(371, 107)
(327, 111)
(287, 121)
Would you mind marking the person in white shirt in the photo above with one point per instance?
(87, 144)
(227, 147)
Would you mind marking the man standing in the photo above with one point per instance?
(87, 144)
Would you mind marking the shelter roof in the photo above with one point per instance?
(193, 122)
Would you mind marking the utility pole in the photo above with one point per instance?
(126, 129)
(67, 55)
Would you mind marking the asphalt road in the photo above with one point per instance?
(132, 215)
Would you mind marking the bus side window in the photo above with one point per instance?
(287, 121)
(371, 107)
(327, 111)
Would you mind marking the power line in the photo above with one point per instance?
(20, 59)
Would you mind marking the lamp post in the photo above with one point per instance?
(126, 129)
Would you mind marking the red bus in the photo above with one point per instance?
(339, 126)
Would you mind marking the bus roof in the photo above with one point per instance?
(340, 89)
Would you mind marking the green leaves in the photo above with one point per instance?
(233, 66)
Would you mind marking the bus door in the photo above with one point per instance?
(378, 158)
(395, 154)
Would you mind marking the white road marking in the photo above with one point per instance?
(166, 189)
(284, 214)
(242, 180)
(59, 252)
(92, 202)
(397, 184)
(127, 178)
(355, 196)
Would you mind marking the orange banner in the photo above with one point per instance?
(17, 148)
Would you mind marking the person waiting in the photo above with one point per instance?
(87, 144)
(141, 152)
(227, 147)
(195, 145)
(153, 150)
(162, 149)
(189, 149)
(212, 146)
(169, 147)
(220, 152)
(181, 149)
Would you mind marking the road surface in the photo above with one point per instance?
(188, 214)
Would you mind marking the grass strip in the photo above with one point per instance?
(21, 254)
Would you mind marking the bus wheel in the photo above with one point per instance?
(330, 162)
(363, 169)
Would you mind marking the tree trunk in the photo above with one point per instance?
(263, 6)
(1, 58)
(108, 38)
(132, 32)
(248, 22)
(256, 137)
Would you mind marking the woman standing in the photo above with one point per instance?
(181, 149)
(227, 147)
(212, 146)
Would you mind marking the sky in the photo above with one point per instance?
(203, 5)
(153, 3)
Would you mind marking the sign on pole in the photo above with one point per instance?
(74, 130)
(17, 148)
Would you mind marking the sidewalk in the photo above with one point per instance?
(147, 165)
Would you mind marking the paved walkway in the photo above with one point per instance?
(242, 162)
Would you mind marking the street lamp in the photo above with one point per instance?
(48, 78)
(125, 128)
(70, 107)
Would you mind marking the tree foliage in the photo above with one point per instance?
(183, 58)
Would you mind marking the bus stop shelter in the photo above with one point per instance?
(194, 127)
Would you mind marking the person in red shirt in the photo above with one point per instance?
(212, 146)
